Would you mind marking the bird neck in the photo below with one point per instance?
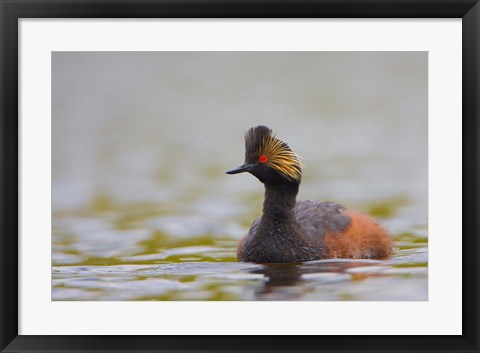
(280, 200)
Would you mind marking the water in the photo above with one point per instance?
(143, 210)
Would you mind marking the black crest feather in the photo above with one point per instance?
(254, 137)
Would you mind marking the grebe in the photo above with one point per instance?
(291, 231)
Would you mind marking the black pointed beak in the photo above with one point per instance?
(243, 168)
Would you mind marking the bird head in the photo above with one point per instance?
(269, 158)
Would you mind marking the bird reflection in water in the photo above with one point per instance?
(283, 281)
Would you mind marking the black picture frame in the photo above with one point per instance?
(12, 10)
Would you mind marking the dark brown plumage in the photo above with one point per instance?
(290, 231)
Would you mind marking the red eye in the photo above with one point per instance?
(262, 158)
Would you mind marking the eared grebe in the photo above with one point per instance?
(291, 231)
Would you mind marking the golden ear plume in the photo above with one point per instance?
(280, 157)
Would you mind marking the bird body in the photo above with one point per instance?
(291, 231)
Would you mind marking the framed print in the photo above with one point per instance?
(129, 218)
